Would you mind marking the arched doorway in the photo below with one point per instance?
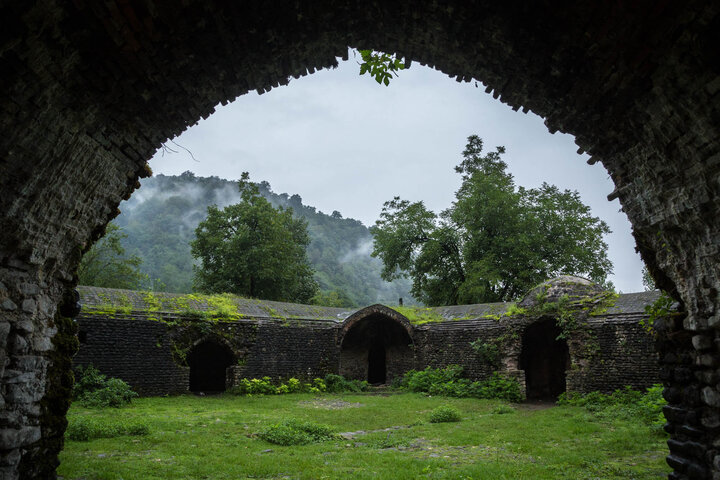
(376, 346)
(208, 362)
(545, 358)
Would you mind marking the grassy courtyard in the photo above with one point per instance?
(382, 436)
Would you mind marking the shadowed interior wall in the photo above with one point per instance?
(90, 90)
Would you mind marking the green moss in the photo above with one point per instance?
(419, 315)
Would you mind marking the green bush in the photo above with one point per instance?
(265, 386)
(82, 429)
(443, 414)
(94, 389)
(339, 384)
(447, 382)
(625, 403)
(296, 432)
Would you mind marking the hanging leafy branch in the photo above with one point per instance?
(381, 66)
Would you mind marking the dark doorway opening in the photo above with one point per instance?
(377, 370)
(208, 362)
(545, 358)
(377, 348)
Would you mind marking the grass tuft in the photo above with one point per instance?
(444, 414)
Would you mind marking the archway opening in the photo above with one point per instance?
(377, 349)
(208, 362)
(545, 358)
(377, 369)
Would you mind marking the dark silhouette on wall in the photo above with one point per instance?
(208, 362)
(544, 357)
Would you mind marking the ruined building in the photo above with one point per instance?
(90, 90)
(567, 334)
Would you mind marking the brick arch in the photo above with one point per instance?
(376, 344)
(376, 310)
(90, 90)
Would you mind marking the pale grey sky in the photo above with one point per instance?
(343, 142)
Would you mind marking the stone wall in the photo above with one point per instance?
(145, 352)
(281, 351)
(150, 354)
(136, 350)
(448, 343)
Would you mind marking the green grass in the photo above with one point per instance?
(216, 438)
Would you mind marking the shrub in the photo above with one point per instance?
(444, 413)
(339, 384)
(501, 388)
(625, 403)
(294, 385)
(264, 386)
(82, 429)
(423, 380)
(447, 382)
(93, 389)
(296, 432)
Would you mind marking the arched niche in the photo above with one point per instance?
(208, 361)
(376, 345)
(544, 357)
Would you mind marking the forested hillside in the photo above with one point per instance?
(161, 217)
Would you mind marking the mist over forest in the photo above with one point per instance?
(160, 220)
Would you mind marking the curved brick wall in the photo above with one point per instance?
(90, 89)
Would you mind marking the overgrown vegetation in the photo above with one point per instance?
(339, 384)
(626, 404)
(444, 414)
(266, 386)
(419, 315)
(662, 307)
(296, 432)
(448, 382)
(94, 389)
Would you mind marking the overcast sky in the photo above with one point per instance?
(343, 142)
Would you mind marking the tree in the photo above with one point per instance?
(647, 279)
(107, 265)
(495, 242)
(253, 249)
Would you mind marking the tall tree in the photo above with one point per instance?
(495, 242)
(253, 249)
(107, 265)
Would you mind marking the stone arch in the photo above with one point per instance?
(90, 90)
(544, 357)
(376, 345)
(208, 360)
